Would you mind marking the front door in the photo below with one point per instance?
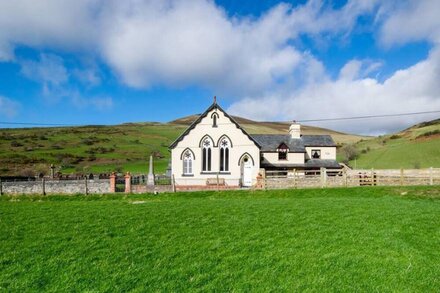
(247, 172)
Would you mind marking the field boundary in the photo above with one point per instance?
(345, 177)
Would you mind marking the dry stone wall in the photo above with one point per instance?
(97, 186)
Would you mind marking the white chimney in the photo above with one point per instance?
(295, 130)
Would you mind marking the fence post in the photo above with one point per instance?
(373, 180)
(401, 176)
(127, 182)
(85, 186)
(294, 178)
(113, 182)
(43, 185)
(323, 177)
(173, 183)
(218, 187)
(431, 179)
(344, 176)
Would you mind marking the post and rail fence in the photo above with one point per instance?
(350, 178)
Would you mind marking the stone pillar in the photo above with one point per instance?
(43, 186)
(112, 183)
(52, 171)
(431, 179)
(150, 178)
(127, 182)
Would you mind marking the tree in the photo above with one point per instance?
(349, 152)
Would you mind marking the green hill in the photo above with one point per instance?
(415, 147)
(103, 149)
(126, 147)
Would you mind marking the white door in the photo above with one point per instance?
(247, 172)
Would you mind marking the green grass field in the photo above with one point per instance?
(413, 148)
(359, 239)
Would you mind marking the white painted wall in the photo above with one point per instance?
(240, 144)
(292, 158)
(327, 153)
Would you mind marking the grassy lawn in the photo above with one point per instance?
(359, 239)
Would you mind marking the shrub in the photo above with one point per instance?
(429, 133)
(395, 136)
(27, 172)
(15, 144)
(350, 152)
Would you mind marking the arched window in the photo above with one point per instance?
(206, 155)
(187, 163)
(214, 117)
(224, 155)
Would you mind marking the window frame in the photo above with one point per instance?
(187, 164)
(318, 151)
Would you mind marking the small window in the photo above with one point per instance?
(282, 155)
(282, 150)
(316, 154)
(214, 119)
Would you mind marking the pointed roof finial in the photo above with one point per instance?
(215, 100)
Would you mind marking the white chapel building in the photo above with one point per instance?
(216, 148)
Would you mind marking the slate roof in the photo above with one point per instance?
(270, 142)
(318, 163)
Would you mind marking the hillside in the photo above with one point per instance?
(415, 147)
(102, 149)
(256, 127)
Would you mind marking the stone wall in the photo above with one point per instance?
(151, 189)
(97, 186)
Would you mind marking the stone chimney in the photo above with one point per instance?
(295, 130)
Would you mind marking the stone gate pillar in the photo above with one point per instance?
(127, 182)
(112, 183)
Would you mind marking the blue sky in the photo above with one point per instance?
(109, 62)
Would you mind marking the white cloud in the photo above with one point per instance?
(412, 20)
(410, 90)
(8, 107)
(194, 42)
(67, 25)
(175, 42)
(48, 70)
(99, 103)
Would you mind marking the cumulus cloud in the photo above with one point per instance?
(66, 25)
(194, 42)
(8, 107)
(174, 42)
(413, 20)
(410, 90)
(48, 70)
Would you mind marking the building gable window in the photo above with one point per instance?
(224, 155)
(282, 150)
(187, 163)
(206, 155)
(214, 117)
(316, 154)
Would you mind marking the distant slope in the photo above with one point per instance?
(103, 149)
(97, 149)
(415, 147)
(255, 127)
